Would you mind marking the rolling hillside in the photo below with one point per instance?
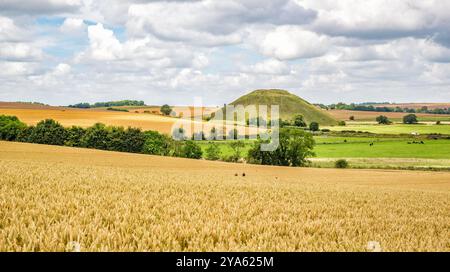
(290, 105)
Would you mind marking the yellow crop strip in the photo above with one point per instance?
(52, 197)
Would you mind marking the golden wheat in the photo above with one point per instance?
(52, 197)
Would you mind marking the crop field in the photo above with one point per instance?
(394, 116)
(395, 128)
(88, 117)
(107, 201)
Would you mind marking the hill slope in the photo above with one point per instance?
(290, 105)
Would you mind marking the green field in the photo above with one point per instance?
(359, 147)
(383, 148)
(394, 128)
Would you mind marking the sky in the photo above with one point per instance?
(62, 52)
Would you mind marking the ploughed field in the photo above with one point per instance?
(51, 196)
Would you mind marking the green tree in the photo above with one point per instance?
(96, 137)
(134, 140)
(74, 135)
(157, 144)
(213, 152)
(299, 122)
(166, 109)
(410, 119)
(341, 163)
(237, 147)
(10, 127)
(24, 134)
(314, 126)
(49, 132)
(191, 150)
(383, 120)
(294, 147)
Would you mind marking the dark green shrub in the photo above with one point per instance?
(410, 119)
(295, 146)
(10, 127)
(341, 163)
(314, 126)
(166, 109)
(24, 134)
(48, 132)
(213, 152)
(383, 120)
(96, 137)
(299, 122)
(74, 135)
(157, 144)
(191, 150)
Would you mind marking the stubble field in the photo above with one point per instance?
(51, 196)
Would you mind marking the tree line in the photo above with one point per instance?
(295, 145)
(98, 136)
(366, 107)
(108, 104)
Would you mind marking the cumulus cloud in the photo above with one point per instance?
(270, 67)
(381, 19)
(168, 51)
(290, 42)
(35, 7)
(19, 51)
(212, 22)
(72, 26)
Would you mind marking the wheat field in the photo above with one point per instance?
(106, 201)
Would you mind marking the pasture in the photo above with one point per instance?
(344, 115)
(394, 128)
(383, 148)
(107, 201)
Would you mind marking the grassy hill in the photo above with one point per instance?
(290, 105)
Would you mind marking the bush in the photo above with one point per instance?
(438, 122)
(383, 120)
(191, 150)
(213, 152)
(341, 163)
(96, 137)
(237, 147)
(410, 119)
(166, 109)
(24, 135)
(299, 122)
(293, 149)
(325, 130)
(314, 126)
(341, 123)
(48, 132)
(130, 140)
(352, 118)
(10, 127)
(157, 144)
(74, 135)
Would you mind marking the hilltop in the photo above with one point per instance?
(290, 105)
